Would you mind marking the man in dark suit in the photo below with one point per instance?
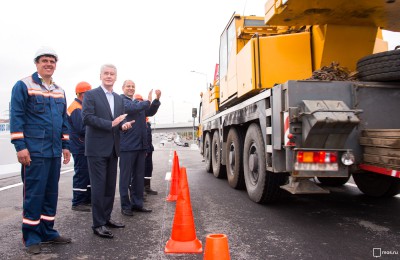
(103, 115)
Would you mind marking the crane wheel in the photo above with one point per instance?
(207, 153)
(377, 185)
(217, 169)
(234, 161)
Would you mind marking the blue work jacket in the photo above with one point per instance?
(135, 138)
(77, 127)
(38, 118)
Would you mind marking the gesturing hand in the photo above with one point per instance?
(158, 93)
(118, 120)
(127, 125)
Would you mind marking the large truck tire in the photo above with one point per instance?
(234, 161)
(218, 169)
(377, 185)
(383, 66)
(207, 153)
(333, 182)
(262, 186)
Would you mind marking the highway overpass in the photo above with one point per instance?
(174, 128)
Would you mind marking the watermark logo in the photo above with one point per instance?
(378, 252)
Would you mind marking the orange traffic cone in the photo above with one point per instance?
(216, 247)
(174, 189)
(183, 236)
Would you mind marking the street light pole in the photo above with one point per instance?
(204, 74)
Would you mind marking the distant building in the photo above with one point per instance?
(4, 125)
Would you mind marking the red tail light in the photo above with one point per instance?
(333, 157)
(300, 156)
(316, 157)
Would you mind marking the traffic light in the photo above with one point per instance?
(194, 112)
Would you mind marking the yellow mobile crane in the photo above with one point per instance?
(305, 97)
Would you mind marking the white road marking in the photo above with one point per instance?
(20, 183)
(168, 176)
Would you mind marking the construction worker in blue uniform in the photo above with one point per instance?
(40, 134)
(133, 148)
(148, 166)
(81, 182)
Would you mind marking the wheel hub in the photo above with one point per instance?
(216, 152)
(231, 159)
(253, 162)
(232, 155)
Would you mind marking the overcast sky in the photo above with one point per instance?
(156, 43)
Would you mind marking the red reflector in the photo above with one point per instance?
(300, 156)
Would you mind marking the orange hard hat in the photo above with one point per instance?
(82, 87)
(138, 97)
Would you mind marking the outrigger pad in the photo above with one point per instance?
(303, 186)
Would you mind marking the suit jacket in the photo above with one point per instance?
(100, 137)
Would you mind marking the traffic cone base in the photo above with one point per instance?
(183, 236)
(178, 247)
(216, 247)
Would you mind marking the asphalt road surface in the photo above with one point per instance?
(341, 225)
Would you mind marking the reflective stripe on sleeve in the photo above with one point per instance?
(17, 135)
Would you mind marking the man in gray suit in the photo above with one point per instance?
(103, 115)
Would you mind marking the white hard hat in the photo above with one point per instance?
(44, 50)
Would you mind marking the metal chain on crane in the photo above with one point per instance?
(333, 72)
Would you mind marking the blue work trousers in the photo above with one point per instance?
(81, 181)
(40, 194)
(148, 166)
(131, 179)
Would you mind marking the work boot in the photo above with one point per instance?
(34, 249)
(59, 240)
(81, 207)
(148, 189)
